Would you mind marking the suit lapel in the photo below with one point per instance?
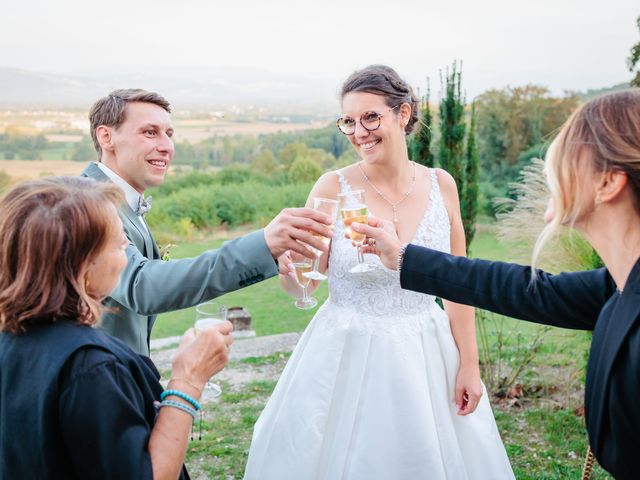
(150, 242)
(146, 246)
(608, 340)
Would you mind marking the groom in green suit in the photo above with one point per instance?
(132, 133)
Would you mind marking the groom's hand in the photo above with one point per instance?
(294, 226)
(386, 245)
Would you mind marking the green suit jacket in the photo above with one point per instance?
(149, 286)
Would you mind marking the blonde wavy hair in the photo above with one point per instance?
(600, 136)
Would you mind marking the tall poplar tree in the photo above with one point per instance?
(420, 147)
(460, 163)
(634, 59)
(469, 200)
(452, 127)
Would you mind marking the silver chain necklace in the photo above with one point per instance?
(394, 206)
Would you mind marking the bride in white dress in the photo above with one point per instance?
(383, 384)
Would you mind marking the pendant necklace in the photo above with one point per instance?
(394, 206)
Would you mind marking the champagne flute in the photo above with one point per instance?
(208, 315)
(354, 209)
(302, 265)
(330, 207)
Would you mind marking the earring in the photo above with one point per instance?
(598, 201)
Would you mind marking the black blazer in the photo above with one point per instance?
(580, 300)
(75, 403)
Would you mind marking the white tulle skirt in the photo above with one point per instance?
(372, 397)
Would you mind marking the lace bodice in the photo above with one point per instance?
(379, 292)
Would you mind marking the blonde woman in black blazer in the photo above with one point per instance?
(593, 171)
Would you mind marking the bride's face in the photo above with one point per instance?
(373, 145)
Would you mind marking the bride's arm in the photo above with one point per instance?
(462, 317)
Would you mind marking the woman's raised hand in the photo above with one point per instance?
(203, 354)
(382, 240)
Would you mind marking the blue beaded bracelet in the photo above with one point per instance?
(180, 406)
(181, 395)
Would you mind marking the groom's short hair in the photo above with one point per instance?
(111, 110)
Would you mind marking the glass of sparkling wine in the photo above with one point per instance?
(208, 315)
(330, 207)
(302, 265)
(354, 209)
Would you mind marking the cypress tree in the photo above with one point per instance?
(469, 199)
(452, 127)
(420, 147)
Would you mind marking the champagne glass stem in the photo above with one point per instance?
(316, 263)
(305, 297)
(360, 254)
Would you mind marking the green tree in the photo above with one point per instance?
(265, 162)
(292, 152)
(347, 158)
(511, 121)
(323, 158)
(304, 170)
(469, 202)
(462, 164)
(634, 59)
(420, 144)
(452, 127)
(83, 151)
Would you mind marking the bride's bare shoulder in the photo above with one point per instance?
(327, 186)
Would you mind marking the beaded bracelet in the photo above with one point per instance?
(181, 395)
(179, 406)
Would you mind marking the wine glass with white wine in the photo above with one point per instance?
(330, 207)
(208, 315)
(353, 208)
(302, 265)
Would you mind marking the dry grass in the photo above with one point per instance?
(51, 124)
(523, 221)
(30, 169)
(63, 138)
(194, 131)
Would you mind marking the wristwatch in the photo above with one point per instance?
(400, 258)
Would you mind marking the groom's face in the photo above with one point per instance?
(142, 146)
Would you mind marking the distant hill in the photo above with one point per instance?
(187, 89)
(591, 94)
(191, 89)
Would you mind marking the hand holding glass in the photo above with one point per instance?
(354, 209)
(330, 207)
(208, 315)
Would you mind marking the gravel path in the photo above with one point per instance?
(236, 374)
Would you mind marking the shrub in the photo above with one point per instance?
(304, 170)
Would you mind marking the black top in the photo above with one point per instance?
(581, 300)
(74, 403)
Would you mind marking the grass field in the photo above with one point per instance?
(271, 309)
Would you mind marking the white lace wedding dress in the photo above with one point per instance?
(368, 392)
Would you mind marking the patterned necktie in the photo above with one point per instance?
(144, 205)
